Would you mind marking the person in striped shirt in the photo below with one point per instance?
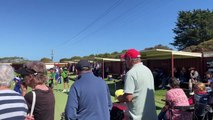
(12, 104)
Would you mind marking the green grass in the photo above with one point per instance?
(60, 101)
(159, 94)
(61, 98)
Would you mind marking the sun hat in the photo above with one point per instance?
(34, 67)
(119, 92)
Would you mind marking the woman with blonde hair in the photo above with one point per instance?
(199, 99)
(199, 91)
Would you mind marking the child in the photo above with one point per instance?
(17, 86)
(199, 99)
(210, 102)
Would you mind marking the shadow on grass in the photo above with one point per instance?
(72, 79)
(158, 108)
(57, 90)
(61, 90)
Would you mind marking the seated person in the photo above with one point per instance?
(207, 80)
(175, 97)
(183, 75)
(199, 99)
(210, 102)
(194, 78)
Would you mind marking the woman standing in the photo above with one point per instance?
(34, 74)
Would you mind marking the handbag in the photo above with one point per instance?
(33, 103)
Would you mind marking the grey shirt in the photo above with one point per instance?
(139, 81)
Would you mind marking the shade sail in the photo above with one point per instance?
(166, 54)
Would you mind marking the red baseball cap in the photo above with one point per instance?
(132, 53)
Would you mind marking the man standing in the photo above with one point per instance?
(64, 74)
(89, 97)
(138, 88)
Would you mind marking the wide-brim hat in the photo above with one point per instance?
(34, 67)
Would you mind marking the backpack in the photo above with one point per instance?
(116, 113)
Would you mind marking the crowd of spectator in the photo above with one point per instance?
(80, 104)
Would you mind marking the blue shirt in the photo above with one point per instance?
(17, 86)
(89, 99)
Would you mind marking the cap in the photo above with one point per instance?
(34, 67)
(83, 65)
(132, 53)
(119, 92)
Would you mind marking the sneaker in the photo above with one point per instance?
(64, 90)
(191, 93)
(168, 85)
(160, 86)
(163, 88)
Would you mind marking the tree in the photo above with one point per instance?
(46, 60)
(12, 60)
(192, 28)
(204, 46)
(159, 46)
(64, 60)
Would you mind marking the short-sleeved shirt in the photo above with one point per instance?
(64, 74)
(177, 97)
(139, 81)
(12, 105)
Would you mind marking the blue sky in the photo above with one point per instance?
(33, 28)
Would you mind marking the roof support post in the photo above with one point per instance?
(202, 64)
(172, 65)
(103, 69)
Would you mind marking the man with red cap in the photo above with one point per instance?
(138, 88)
